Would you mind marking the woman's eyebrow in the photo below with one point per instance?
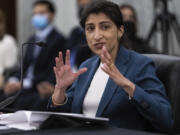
(103, 22)
(89, 24)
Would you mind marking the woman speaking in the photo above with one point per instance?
(117, 83)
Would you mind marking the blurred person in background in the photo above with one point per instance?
(8, 49)
(77, 41)
(135, 43)
(39, 78)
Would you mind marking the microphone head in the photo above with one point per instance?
(41, 44)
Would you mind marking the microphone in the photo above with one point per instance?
(11, 99)
(40, 43)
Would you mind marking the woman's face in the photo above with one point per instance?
(101, 31)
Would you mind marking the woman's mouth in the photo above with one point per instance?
(98, 45)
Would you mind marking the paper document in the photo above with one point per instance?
(31, 120)
(24, 120)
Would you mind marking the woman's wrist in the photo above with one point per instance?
(58, 96)
(55, 103)
(58, 88)
(58, 99)
(129, 87)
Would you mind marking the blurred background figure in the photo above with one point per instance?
(8, 49)
(39, 77)
(131, 28)
(77, 42)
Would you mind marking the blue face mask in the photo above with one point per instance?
(39, 21)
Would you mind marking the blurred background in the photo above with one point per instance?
(18, 19)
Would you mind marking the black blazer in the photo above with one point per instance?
(43, 70)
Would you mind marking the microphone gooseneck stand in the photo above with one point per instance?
(11, 99)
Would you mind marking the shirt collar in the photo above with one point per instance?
(42, 34)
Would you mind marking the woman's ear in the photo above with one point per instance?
(120, 32)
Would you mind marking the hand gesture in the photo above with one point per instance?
(64, 76)
(114, 73)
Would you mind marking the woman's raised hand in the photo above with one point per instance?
(64, 76)
(110, 68)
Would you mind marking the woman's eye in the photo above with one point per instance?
(105, 27)
(89, 28)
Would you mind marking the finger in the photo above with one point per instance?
(81, 71)
(102, 58)
(55, 71)
(106, 54)
(67, 62)
(56, 74)
(105, 60)
(111, 71)
(58, 77)
(105, 68)
(60, 59)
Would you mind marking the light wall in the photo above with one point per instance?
(66, 17)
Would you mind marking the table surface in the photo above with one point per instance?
(77, 131)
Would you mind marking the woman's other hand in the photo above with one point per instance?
(110, 68)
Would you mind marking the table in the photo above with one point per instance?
(77, 131)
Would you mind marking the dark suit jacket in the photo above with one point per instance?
(78, 45)
(77, 38)
(43, 70)
(148, 105)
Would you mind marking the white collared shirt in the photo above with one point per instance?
(42, 34)
(95, 92)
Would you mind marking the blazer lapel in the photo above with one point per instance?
(85, 80)
(121, 60)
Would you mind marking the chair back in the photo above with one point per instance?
(168, 71)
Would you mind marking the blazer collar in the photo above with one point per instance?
(86, 79)
(121, 61)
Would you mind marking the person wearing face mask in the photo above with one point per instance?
(130, 23)
(38, 78)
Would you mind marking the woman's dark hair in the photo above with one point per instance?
(110, 9)
(49, 4)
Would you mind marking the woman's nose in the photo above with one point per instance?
(97, 34)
